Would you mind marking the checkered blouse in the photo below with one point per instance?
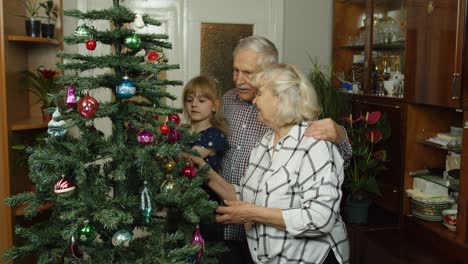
(303, 177)
(245, 131)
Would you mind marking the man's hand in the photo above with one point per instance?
(325, 129)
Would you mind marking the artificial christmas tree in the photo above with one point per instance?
(124, 198)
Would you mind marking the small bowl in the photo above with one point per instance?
(449, 217)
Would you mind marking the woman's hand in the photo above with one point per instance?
(235, 212)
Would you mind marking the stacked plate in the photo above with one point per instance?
(430, 210)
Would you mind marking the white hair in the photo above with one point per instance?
(268, 54)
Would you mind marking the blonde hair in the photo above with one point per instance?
(268, 54)
(297, 96)
(208, 88)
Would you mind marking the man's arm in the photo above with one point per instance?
(327, 129)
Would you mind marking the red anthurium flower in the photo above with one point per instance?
(380, 155)
(46, 73)
(374, 136)
(373, 117)
(349, 119)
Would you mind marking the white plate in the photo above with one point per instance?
(450, 227)
(434, 218)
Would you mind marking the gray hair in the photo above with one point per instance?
(298, 99)
(268, 54)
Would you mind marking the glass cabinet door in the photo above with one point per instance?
(350, 38)
(388, 48)
(369, 38)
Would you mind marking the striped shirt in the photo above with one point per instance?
(303, 177)
(245, 131)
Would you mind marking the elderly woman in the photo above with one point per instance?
(289, 198)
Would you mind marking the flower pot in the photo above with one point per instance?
(46, 117)
(357, 210)
(47, 30)
(33, 27)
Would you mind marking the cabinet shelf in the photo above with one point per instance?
(28, 124)
(434, 227)
(434, 145)
(19, 211)
(33, 39)
(397, 45)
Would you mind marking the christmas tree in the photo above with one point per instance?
(128, 197)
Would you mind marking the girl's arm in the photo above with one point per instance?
(204, 152)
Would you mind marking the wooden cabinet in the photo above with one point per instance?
(20, 117)
(433, 56)
(434, 48)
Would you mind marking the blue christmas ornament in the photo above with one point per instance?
(55, 128)
(125, 89)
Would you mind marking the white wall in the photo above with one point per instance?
(308, 30)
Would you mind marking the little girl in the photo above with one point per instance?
(202, 106)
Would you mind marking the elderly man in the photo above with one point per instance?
(245, 130)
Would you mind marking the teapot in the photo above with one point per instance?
(394, 85)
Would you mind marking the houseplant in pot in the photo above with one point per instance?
(32, 22)
(42, 83)
(367, 133)
(50, 12)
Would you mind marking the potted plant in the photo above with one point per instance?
(367, 134)
(33, 24)
(41, 83)
(50, 11)
(333, 104)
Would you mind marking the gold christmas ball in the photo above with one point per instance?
(167, 186)
(168, 165)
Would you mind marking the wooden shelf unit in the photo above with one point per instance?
(19, 211)
(28, 124)
(33, 39)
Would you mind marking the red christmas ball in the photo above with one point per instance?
(91, 44)
(152, 56)
(64, 185)
(174, 118)
(174, 135)
(165, 129)
(188, 172)
(88, 106)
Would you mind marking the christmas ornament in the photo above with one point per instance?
(165, 129)
(174, 135)
(55, 128)
(146, 203)
(86, 232)
(168, 185)
(138, 22)
(133, 41)
(75, 250)
(125, 89)
(145, 137)
(121, 238)
(197, 240)
(91, 44)
(71, 97)
(152, 56)
(87, 106)
(188, 171)
(64, 185)
(82, 31)
(168, 165)
(174, 118)
(78, 96)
